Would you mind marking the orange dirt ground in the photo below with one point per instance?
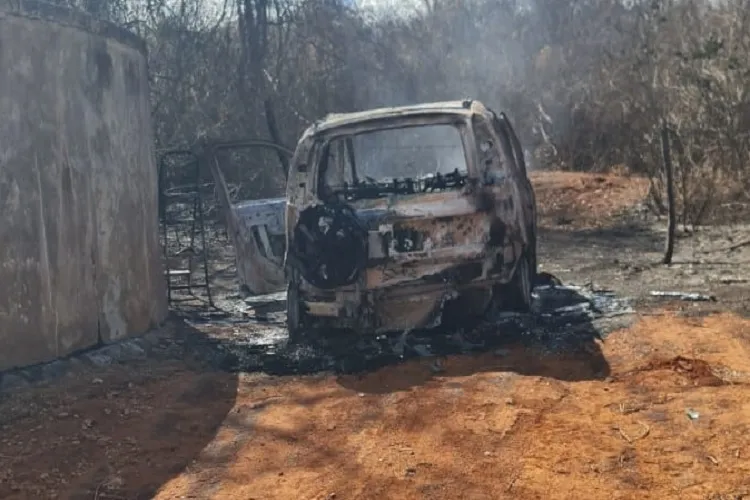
(659, 410)
(584, 200)
(670, 420)
(480, 430)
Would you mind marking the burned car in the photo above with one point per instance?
(397, 215)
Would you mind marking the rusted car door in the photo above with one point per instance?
(256, 227)
(502, 126)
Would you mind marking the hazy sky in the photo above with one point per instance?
(389, 6)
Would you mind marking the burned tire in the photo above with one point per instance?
(515, 296)
(329, 246)
(296, 316)
(533, 263)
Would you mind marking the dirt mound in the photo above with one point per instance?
(585, 200)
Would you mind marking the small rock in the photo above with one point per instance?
(63, 414)
(422, 350)
(97, 381)
(410, 471)
(509, 401)
(132, 350)
(114, 352)
(487, 453)
(55, 369)
(115, 483)
(361, 394)
(99, 359)
(331, 496)
(436, 366)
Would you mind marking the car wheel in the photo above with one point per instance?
(295, 314)
(515, 296)
(532, 256)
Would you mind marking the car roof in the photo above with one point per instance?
(463, 108)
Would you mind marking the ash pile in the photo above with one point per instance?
(563, 319)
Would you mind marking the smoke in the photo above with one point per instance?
(437, 51)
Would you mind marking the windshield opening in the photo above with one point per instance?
(407, 160)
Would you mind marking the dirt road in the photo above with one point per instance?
(658, 409)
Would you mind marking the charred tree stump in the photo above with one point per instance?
(671, 220)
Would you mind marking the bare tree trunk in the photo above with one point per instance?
(666, 152)
(253, 25)
(273, 131)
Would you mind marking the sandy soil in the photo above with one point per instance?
(670, 421)
(657, 410)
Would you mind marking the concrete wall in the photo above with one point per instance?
(79, 250)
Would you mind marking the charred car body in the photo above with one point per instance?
(395, 214)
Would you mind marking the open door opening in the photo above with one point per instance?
(222, 220)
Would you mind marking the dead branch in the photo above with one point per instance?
(736, 246)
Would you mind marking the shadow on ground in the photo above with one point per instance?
(116, 431)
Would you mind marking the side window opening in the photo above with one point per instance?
(492, 162)
(504, 129)
(261, 240)
(410, 159)
(335, 166)
(271, 246)
(298, 179)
